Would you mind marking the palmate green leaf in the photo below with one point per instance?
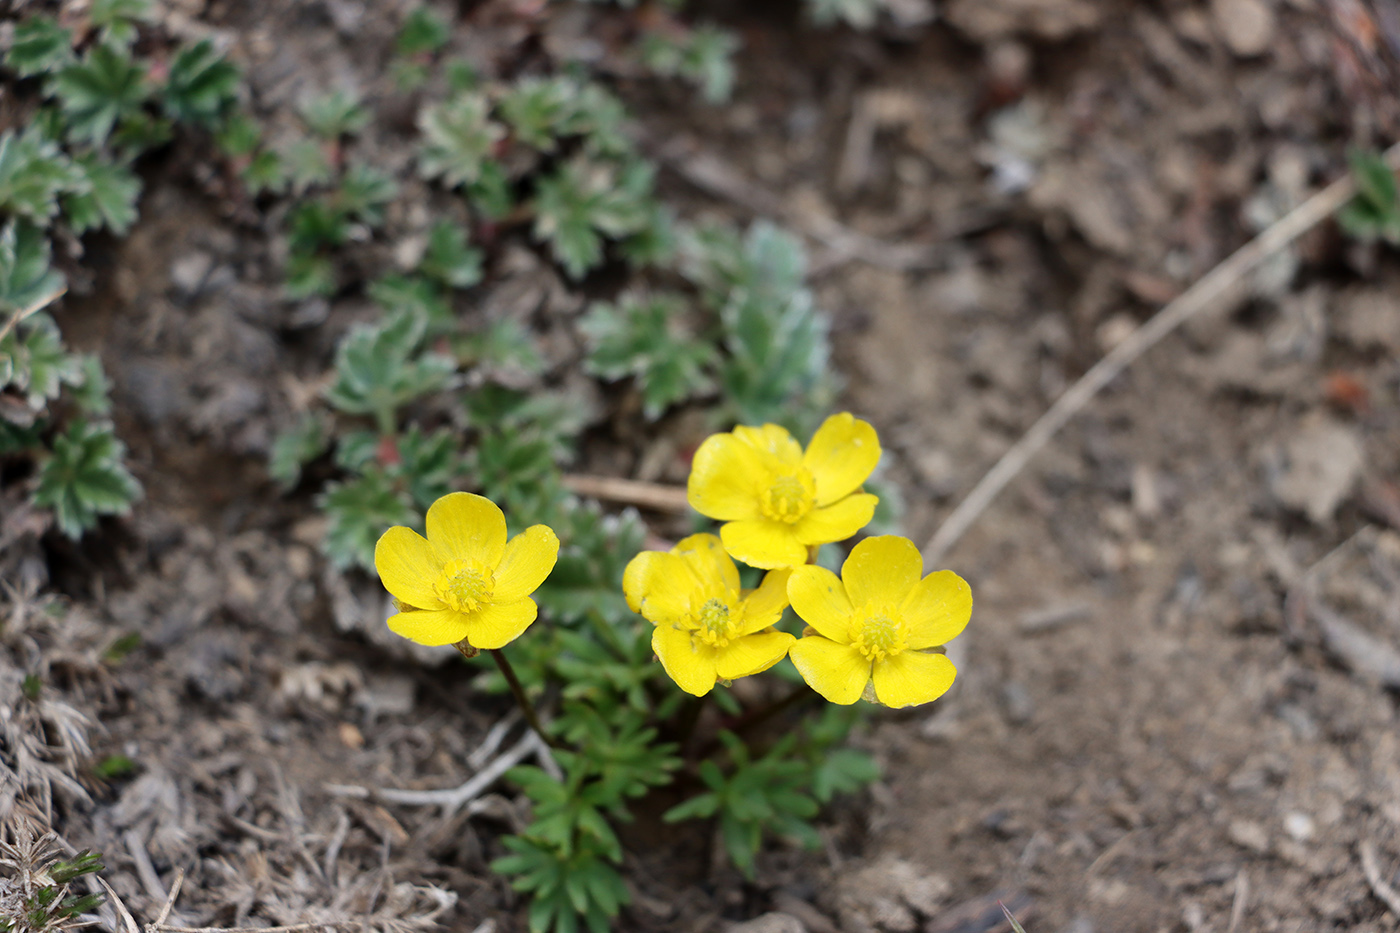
(449, 259)
(294, 448)
(85, 478)
(538, 110)
(423, 31)
(34, 360)
(704, 58)
(594, 550)
(202, 86)
(779, 357)
(428, 463)
(1374, 213)
(379, 368)
(97, 91)
(117, 19)
(266, 173)
(458, 138)
(25, 276)
(309, 273)
(93, 391)
(600, 118)
(645, 336)
(414, 295)
(106, 199)
(359, 511)
(138, 132)
(334, 114)
(33, 173)
(859, 14)
(506, 344)
(40, 45)
(583, 201)
(306, 165)
(364, 193)
(315, 224)
(843, 771)
(240, 135)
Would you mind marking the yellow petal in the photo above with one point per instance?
(430, 626)
(462, 526)
(659, 585)
(838, 521)
(763, 543)
(752, 654)
(724, 479)
(499, 624)
(689, 661)
(838, 672)
(773, 442)
(882, 569)
(407, 567)
(937, 610)
(764, 606)
(912, 677)
(528, 559)
(712, 567)
(842, 455)
(819, 599)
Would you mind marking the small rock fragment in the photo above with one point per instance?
(888, 896)
(1315, 470)
(1299, 826)
(1247, 26)
(1248, 834)
(770, 923)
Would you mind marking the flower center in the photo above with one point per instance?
(712, 624)
(880, 637)
(789, 497)
(465, 585)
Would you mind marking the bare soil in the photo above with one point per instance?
(1174, 710)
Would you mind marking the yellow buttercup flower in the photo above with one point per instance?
(870, 631)
(775, 499)
(464, 582)
(707, 630)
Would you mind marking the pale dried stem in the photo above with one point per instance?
(1199, 297)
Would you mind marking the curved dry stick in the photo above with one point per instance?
(1185, 306)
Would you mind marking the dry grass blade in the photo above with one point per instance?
(630, 491)
(1187, 305)
(43, 302)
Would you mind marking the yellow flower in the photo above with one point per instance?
(777, 500)
(464, 581)
(706, 629)
(873, 626)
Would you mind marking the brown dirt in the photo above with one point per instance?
(1151, 731)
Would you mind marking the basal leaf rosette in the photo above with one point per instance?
(777, 501)
(464, 582)
(871, 632)
(707, 629)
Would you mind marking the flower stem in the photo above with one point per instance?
(516, 688)
(690, 716)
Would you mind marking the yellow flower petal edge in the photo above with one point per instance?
(870, 631)
(707, 629)
(465, 584)
(776, 499)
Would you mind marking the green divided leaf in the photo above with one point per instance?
(858, 14)
(40, 45)
(306, 165)
(117, 19)
(335, 114)
(295, 448)
(645, 337)
(96, 92)
(704, 58)
(360, 510)
(594, 551)
(537, 110)
(379, 368)
(1374, 213)
(423, 32)
(202, 87)
(364, 193)
(449, 259)
(85, 478)
(583, 201)
(106, 199)
(34, 361)
(458, 138)
(26, 279)
(34, 172)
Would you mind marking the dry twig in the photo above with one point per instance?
(656, 496)
(1187, 305)
(451, 799)
(1379, 886)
